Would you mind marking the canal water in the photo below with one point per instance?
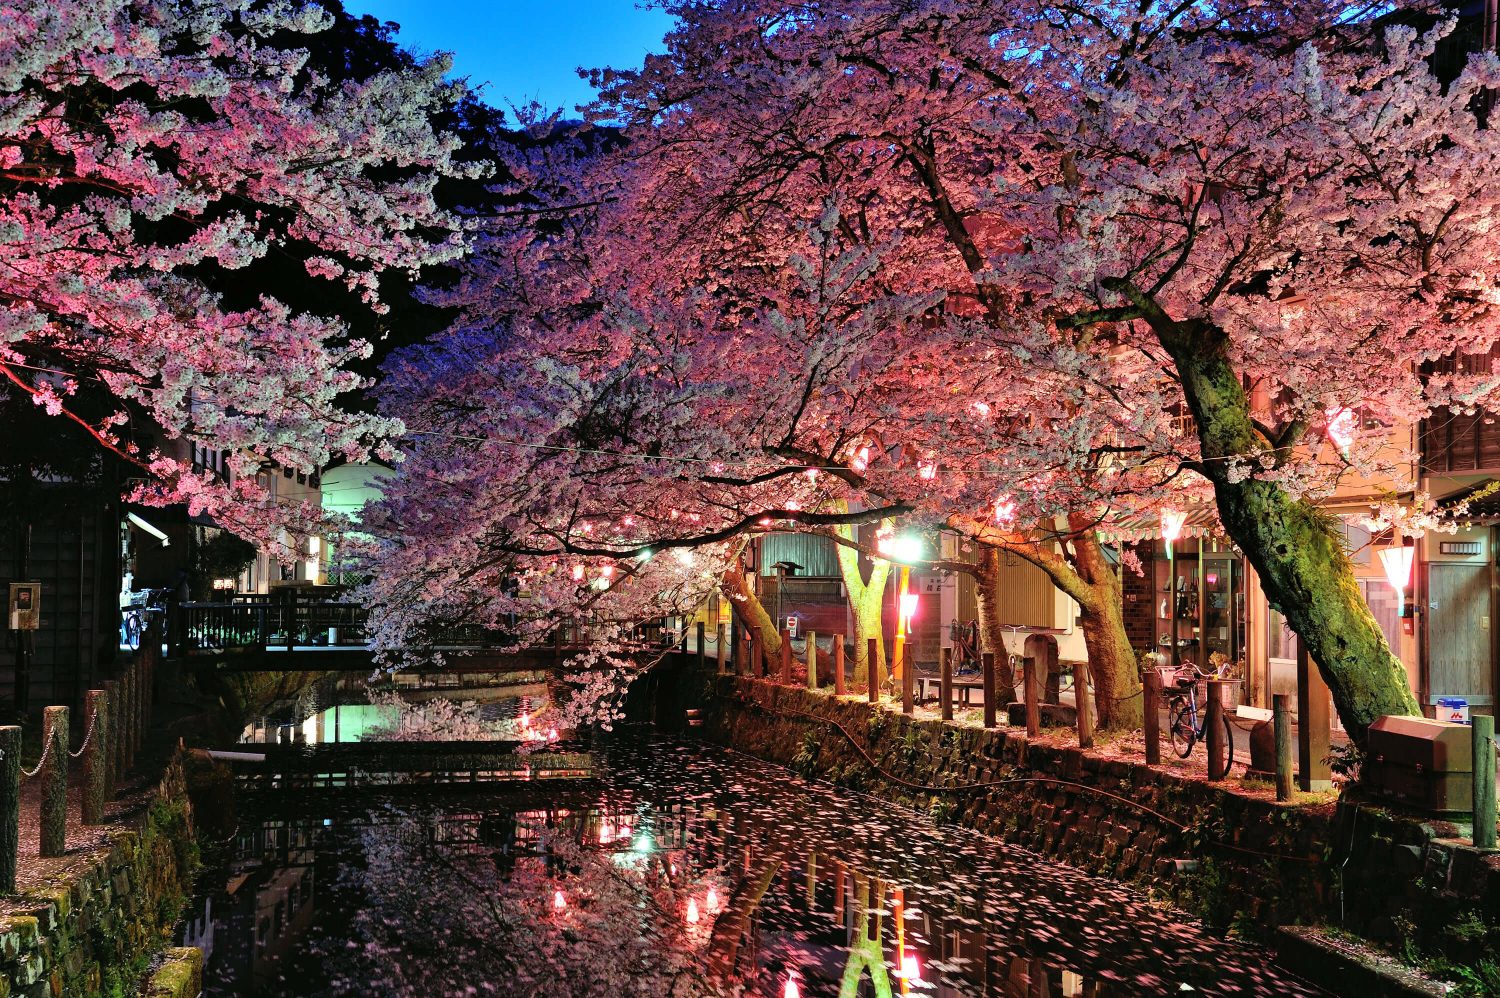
(678, 869)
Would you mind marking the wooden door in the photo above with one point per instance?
(1459, 645)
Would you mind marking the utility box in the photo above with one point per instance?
(1424, 763)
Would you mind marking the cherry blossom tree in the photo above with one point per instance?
(149, 151)
(1197, 228)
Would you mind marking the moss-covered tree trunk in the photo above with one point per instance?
(1299, 556)
(865, 597)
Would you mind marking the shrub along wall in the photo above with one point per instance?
(1259, 864)
(95, 931)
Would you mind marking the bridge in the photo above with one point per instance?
(288, 632)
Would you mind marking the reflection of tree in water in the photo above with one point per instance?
(479, 917)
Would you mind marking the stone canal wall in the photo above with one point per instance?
(94, 929)
(1402, 881)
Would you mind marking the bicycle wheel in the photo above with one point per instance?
(131, 626)
(1180, 726)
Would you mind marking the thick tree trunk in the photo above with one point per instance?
(991, 637)
(1293, 545)
(865, 598)
(1112, 662)
(750, 611)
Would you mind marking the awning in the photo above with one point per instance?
(142, 524)
(1201, 521)
(1483, 499)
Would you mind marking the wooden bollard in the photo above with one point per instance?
(873, 678)
(945, 682)
(1281, 722)
(908, 684)
(1484, 780)
(812, 660)
(702, 650)
(987, 661)
(1032, 683)
(839, 686)
(721, 659)
(109, 742)
(786, 657)
(95, 728)
(54, 777)
(10, 805)
(1081, 704)
(1215, 725)
(1151, 715)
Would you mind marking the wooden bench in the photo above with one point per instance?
(965, 687)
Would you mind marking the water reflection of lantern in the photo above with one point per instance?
(711, 901)
(910, 970)
(692, 911)
(1397, 564)
(791, 990)
(559, 902)
(606, 833)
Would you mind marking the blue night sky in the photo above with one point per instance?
(525, 50)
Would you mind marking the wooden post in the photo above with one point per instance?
(987, 661)
(872, 673)
(1081, 703)
(839, 687)
(54, 777)
(138, 733)
(812, 660)
(1033, 696)
(95, 729)
(699, 629)
(721, 659)
(1151, 715)
(786, 656)
(1214, 725)
(945, 682)
(1314, 716)
(127, 716)
(757, 657)
(111, 741)
(1281, 722)
(290, 609)
(10, 805)
(1484, 780)
(908, 686)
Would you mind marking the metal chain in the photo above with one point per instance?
(46, 751)
(93, 719)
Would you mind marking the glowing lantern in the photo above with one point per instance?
(692, 912)
(608, 571)
(1397, 564)
(908, 606)
(910, 969)
(811, 473)
(791, 990)
(606, 833)
(559, 903)
(1341, 424)
(927, 470)
(859, 461)
(577, 573)
(1005, 510)
(1171, 526)
(711, 901)
(885, 542)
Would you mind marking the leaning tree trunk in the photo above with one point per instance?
(1086, 575)
(1298, 555)
(865, 599)
(1112, 660)
(991, 637)
(750, 611)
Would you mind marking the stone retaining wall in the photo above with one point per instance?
(95, 931)
(1408, 883)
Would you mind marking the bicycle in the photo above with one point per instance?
(135, 617)
(1186, 726)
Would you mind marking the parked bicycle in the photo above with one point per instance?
(135, 617)
(1186, 723)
